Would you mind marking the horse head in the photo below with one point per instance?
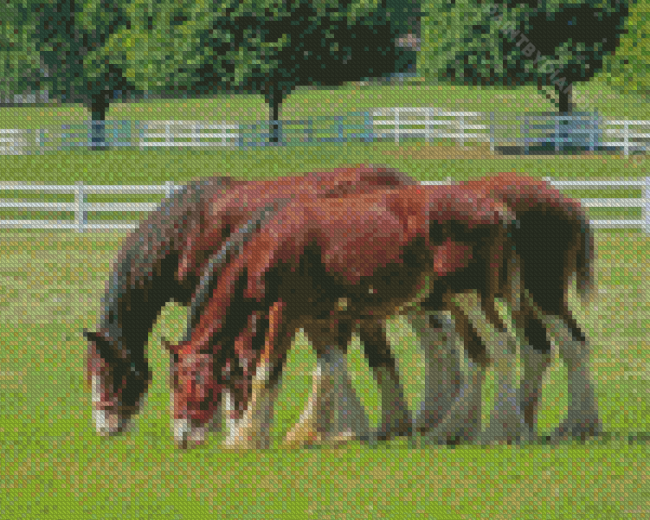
(118, 383)
(196, 392)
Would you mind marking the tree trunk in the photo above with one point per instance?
(565, 100)
(274, 123)
(98, 134)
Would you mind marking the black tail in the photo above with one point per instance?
(585, 275)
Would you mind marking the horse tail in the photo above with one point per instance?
(585, 279)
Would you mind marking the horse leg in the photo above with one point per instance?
(350, 420)
(535, 351)
(535, 358)
(395, 418)
(442, 376)
(582, 419)
(463, 421)
(253, 429)
(334, 414)
(506, 420)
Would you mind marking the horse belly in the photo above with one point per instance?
(380, 295)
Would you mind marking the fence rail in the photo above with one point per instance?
(581, 130)
(81, 207)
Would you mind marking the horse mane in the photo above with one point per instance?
(231, 248)
(156, 236)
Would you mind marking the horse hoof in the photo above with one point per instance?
(506, 436)
(302, 435)
(339, 439)
(581, 431)
(301, 438)
(240, 443)
(456, 439)
(108, 424)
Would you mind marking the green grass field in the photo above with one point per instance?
(53, 465)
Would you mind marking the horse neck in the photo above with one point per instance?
(143, 280)
(133, 302)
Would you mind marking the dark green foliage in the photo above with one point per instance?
(20, 62)
(629, 70)
(100, 51)
(515, 43)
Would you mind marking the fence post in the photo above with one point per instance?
(168, 134)
(80, 213)
(462, 130)
(436, 128)
(492, 132)
(525, 132)
(427, 125)
(626, 151)
(396, 124)
(369, 122)
(169, 189)
(646, 206)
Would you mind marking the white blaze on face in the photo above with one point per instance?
(97, 388)
(100, 417)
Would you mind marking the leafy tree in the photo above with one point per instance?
(515, 43)
(100, 51)
(629, 70)
(268, 47)
(64, 43)
(20, 62)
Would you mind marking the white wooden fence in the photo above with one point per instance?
(80, 207)
(384, 123)
(455, 128)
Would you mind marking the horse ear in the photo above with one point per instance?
(172, 348)
(94, 337)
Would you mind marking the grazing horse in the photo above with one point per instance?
(553, 240)
(560, 226)
(332, 264)
(163, 259)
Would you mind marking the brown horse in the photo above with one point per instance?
(163, 259)
(371, 253)
(197, 369)
(553, 241)
(545, 216)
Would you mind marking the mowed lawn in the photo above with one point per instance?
(53, 465)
